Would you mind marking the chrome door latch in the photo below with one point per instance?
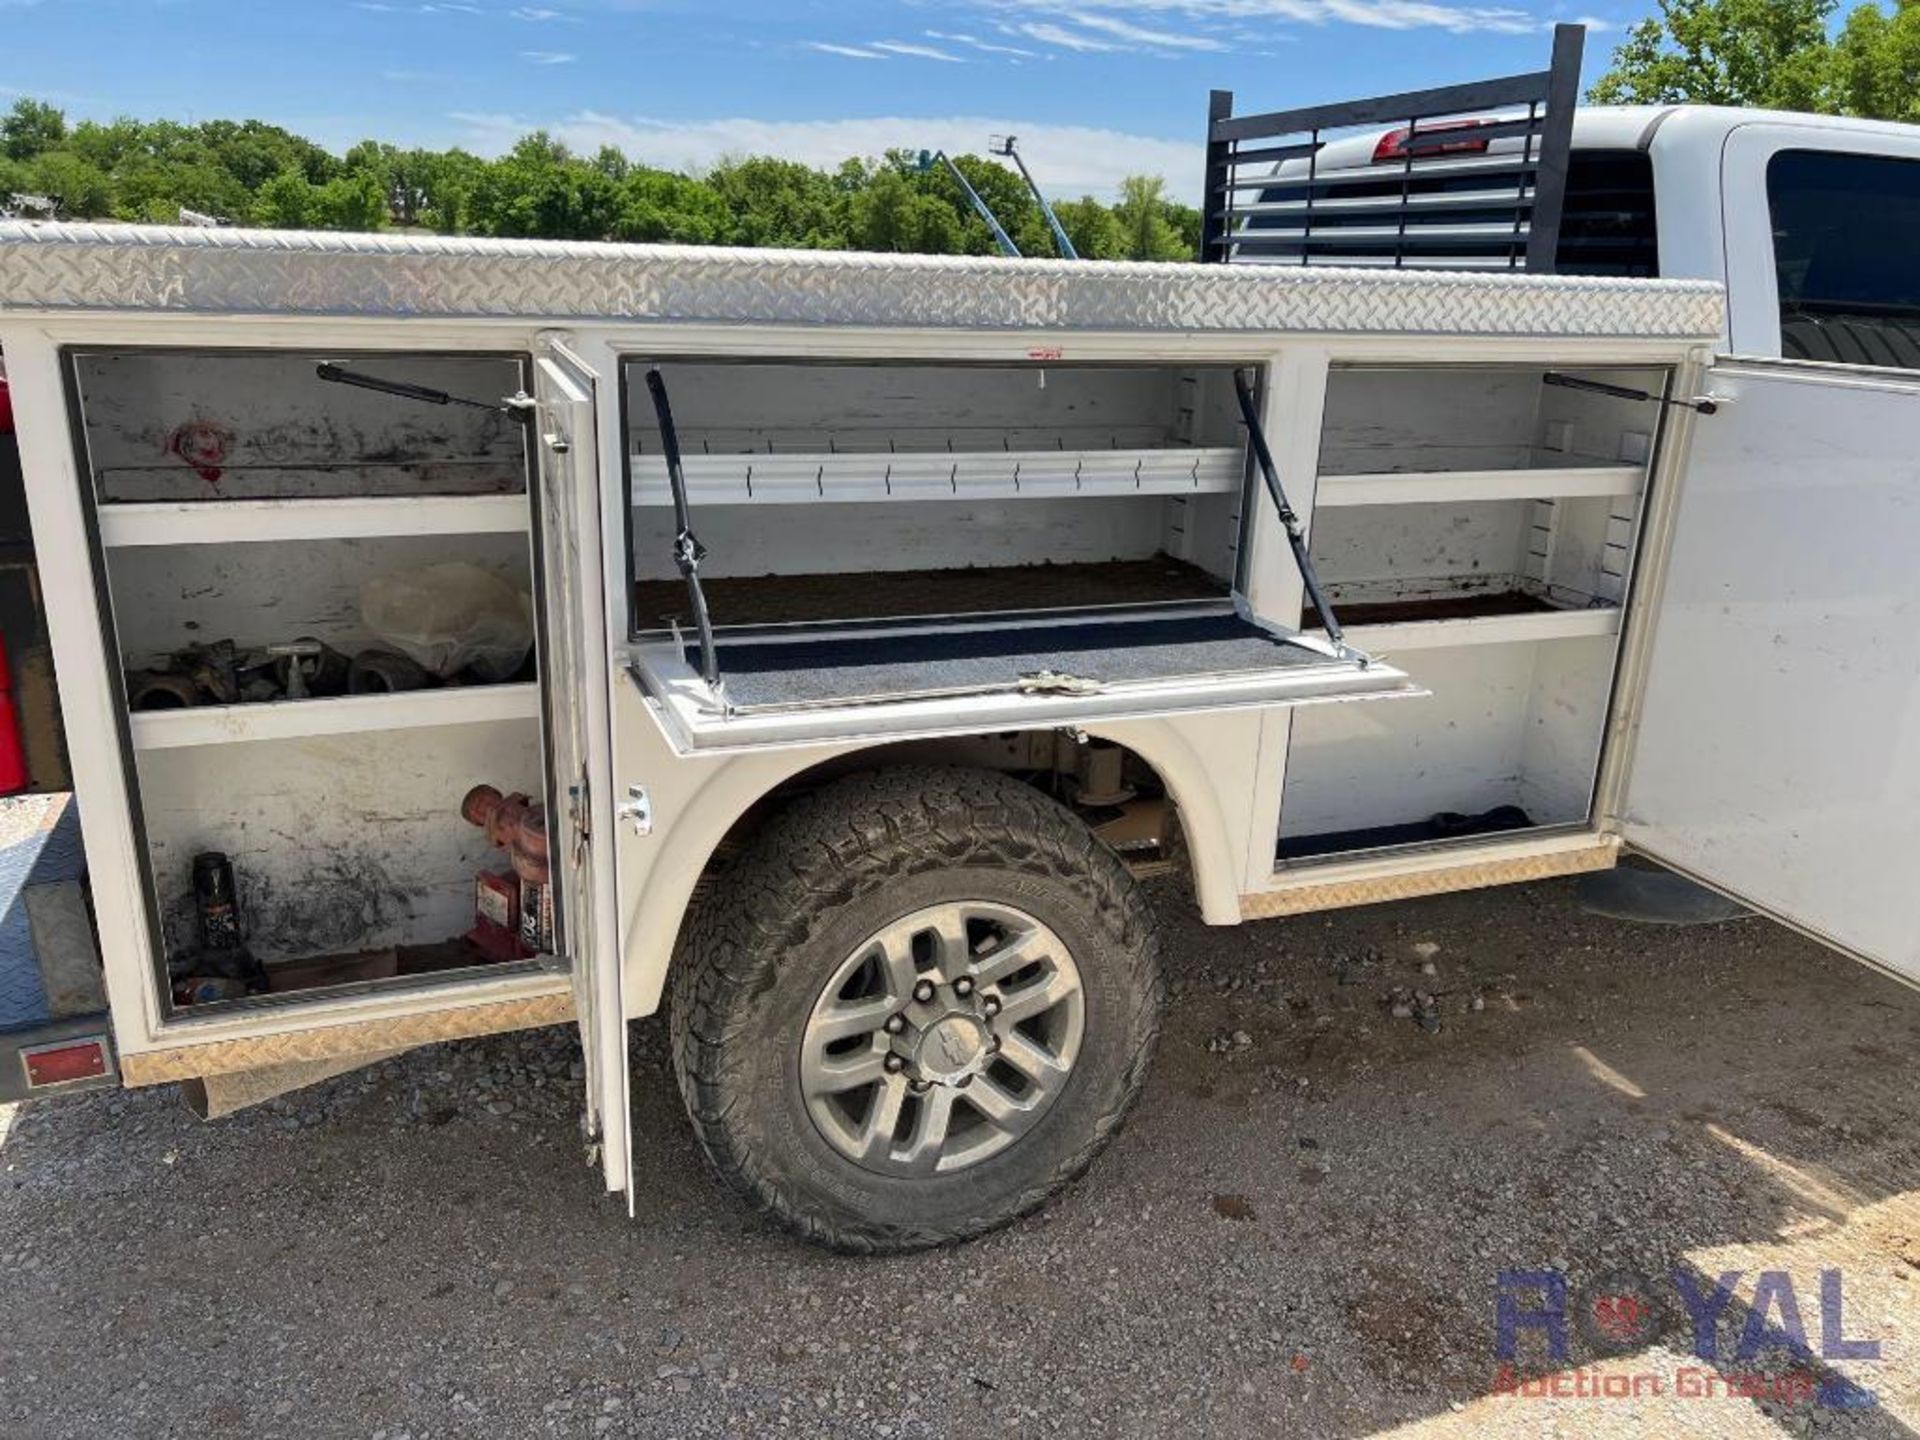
(637, 810)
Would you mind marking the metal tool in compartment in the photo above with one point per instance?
(221, 967)
(513, 915)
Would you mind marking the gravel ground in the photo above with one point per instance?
(1299, 1233)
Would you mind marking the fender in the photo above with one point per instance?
(1206, 763)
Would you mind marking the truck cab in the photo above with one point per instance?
(1807, 220)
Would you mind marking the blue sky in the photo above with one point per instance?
(1095, 88)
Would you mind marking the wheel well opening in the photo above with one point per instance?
(1115, 790)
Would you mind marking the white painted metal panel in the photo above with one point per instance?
(201, 522)
(1398, 488)
(1778, 756)
(575, 673)
(1388, 639)
(684, 705)
(333, 715)
(1506, 724)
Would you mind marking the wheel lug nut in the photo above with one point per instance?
(923, 992)
(894, 1064)
(992, 1006)
(963, 986)
(895, 1024)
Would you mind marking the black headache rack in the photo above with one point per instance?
(1473, 178)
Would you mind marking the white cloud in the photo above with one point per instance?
(1070, 160)
(1138, 35)
(852, 52)
(538, 15)
(978, 44)
(917, 52)
(1101, 15)
(548, 57)
(1049, 34)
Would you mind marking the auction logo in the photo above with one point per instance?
(1622, 1312)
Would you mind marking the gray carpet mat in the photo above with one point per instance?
(840, 670)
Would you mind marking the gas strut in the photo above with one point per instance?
(338, 374)
(1704, 404)
(1296, 533)
(688, 552)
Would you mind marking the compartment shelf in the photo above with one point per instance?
(219, 522)
(1397, 637)
(1541, 483)
(940, 474)
(339, 715)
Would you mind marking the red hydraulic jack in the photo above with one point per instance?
(512, 913)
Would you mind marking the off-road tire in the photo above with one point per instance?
(767, 933)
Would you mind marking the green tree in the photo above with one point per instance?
(1771, 53)
(1146, 231)
(780, 202)
(1876, 63)
(247, 170)
(356, 200)
(1091, 227)
(286, 202)
(613, 164)
(891, 213)
(31, 127)
(662, 207)
(448, 180)
(82, 188)
(540, 188)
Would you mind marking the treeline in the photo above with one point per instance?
(251, 173)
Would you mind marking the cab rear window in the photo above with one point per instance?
(1606, 221)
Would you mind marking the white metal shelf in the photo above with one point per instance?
(1397, 637)
(1544, 483)
(340, 715)
(222, 522)
(937, 475)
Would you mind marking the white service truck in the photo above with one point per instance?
(889, 615)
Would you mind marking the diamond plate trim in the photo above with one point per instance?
(401, 1032)
(1477, 875)
(158, 268)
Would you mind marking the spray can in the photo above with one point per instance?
(216, 903)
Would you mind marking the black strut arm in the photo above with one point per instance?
(1290, 522)
(337, 374)
(688, 552)
(1704, 404)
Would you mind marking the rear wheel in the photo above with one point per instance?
(915, 1008)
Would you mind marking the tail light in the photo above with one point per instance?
(1393, 145)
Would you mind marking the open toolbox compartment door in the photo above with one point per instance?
(577, 700)
(1778, 756)
(995, 673)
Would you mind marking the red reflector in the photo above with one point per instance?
(1393, 144)
(58, 1064)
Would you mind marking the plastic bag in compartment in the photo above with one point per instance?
(452, 617)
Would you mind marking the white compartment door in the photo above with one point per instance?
(575, 673)
(1778, 755)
